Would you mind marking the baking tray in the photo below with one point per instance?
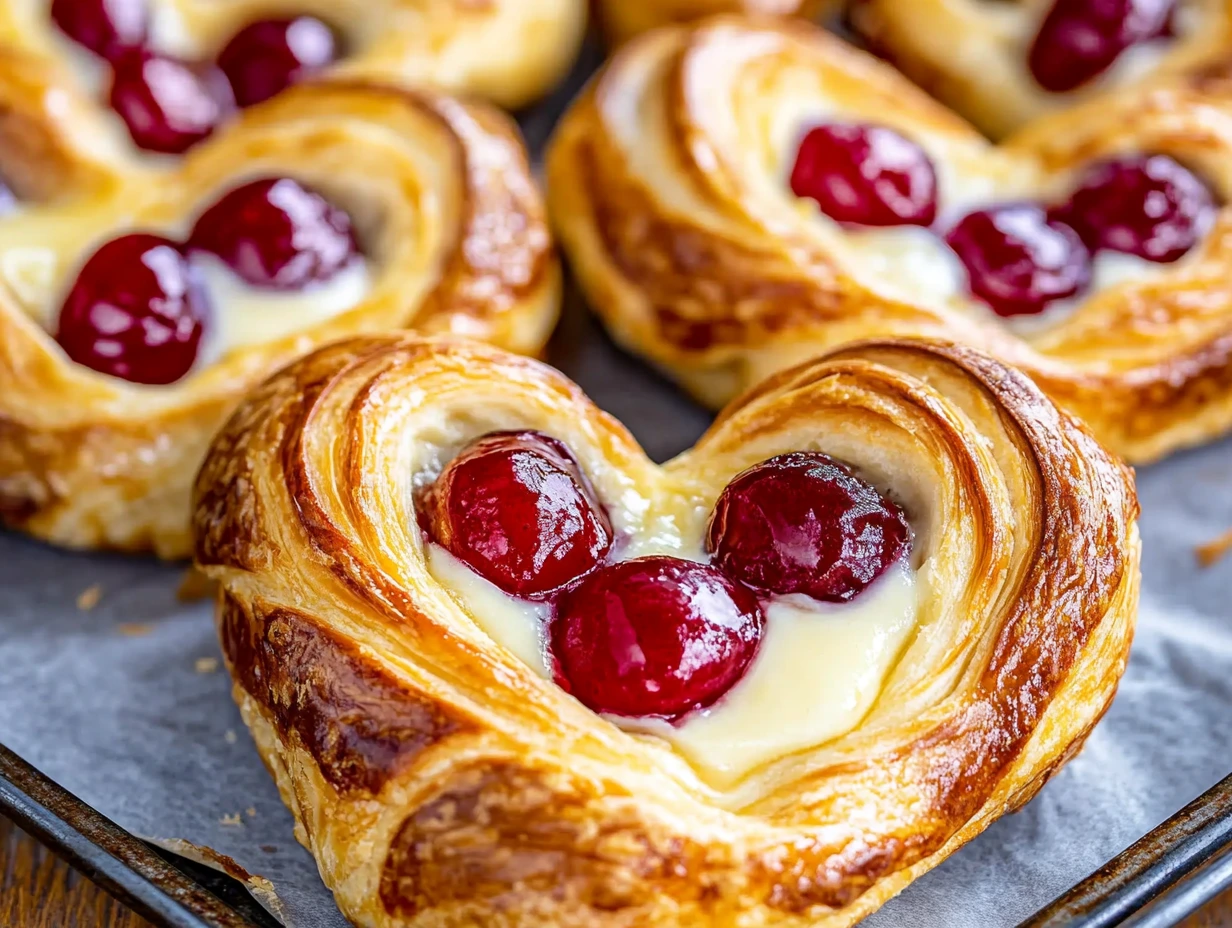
(111, 686)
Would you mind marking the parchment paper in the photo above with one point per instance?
(124, 700)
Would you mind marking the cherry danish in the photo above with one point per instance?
(866, 175)
(137, 311)
(167, 104)
(804, 523)
(1080, 39)
(515, 507)
(654, 636)
(276, 233)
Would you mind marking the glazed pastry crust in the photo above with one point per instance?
(666, 188)
(441, 195)
(440, 781)
(972, 54)
(621, 20)
(508, 51)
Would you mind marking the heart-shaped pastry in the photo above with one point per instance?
(1004, 64)
(506, 670)
(737, 196)
(620, 20)
(174, 69)
(139, 301)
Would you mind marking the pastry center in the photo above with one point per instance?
(269, 259)
(781, 642)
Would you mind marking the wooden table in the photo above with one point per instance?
(37, 890)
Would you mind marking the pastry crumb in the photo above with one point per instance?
(1213, 550)
(206, 664)
(89, 597)
(250, 812)
(231, 820)
(229, 736)
(134, 629)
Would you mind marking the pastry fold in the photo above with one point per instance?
(441, 781)
(667, 186)
(621, 20)
(445, 208)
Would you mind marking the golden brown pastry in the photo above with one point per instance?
(620, 20)
(1002, 64)
(507, 51)
(739, 196)
(421, 543)
(140, 299)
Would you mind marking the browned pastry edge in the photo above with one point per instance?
(94, 462)
(482, 826)
(714, 308)
(621, 20)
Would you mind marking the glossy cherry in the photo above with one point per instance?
(804, 523)
(866, 175)
(167, 104)
(106, 27)
(515, 507)
(1080, 39)
(1149, 206)
(1018, 260)
(277, 233)
(137, 310)
(654, 636)
(266, 57)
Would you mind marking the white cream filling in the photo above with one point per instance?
(817, 672)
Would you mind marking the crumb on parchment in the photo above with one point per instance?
(88, 598)
(229, 736)
(1214, 549)
(231, 820)
(206, 664)
(135, 629)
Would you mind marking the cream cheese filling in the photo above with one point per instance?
(817, 672)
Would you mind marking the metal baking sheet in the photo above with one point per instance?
(113, 686)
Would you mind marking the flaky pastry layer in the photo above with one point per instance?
(666, 185)
(446, 211)
(441, 781)
(620, 20)
(973, 55)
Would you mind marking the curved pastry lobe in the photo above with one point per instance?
(620, 20)
(990, 81)
(439, 780)
(442, 199)
(665, 182)
(508, 51)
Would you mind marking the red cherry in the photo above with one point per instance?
(515, 507)
(106, 27)
(1080, 39)
(654, 636)
(167, 104)
(803, 523)
(1149, 206)
(137, 310)
(1018, 260)
(265, 58)
(866, 175)
(276, 233)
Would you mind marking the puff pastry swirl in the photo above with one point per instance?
(439, 780)
(976, 56)
(667, 186)
(444, 207)
(507, 51)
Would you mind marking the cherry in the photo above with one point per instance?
(106, 27)
(167, 104)
(1149, 206)
(137, 310)
(276, 233)
(269, 56)
(1018, 260)
(654, 636)
(515, 507)
(866, 175)
(1080, 39)
(804, 523)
